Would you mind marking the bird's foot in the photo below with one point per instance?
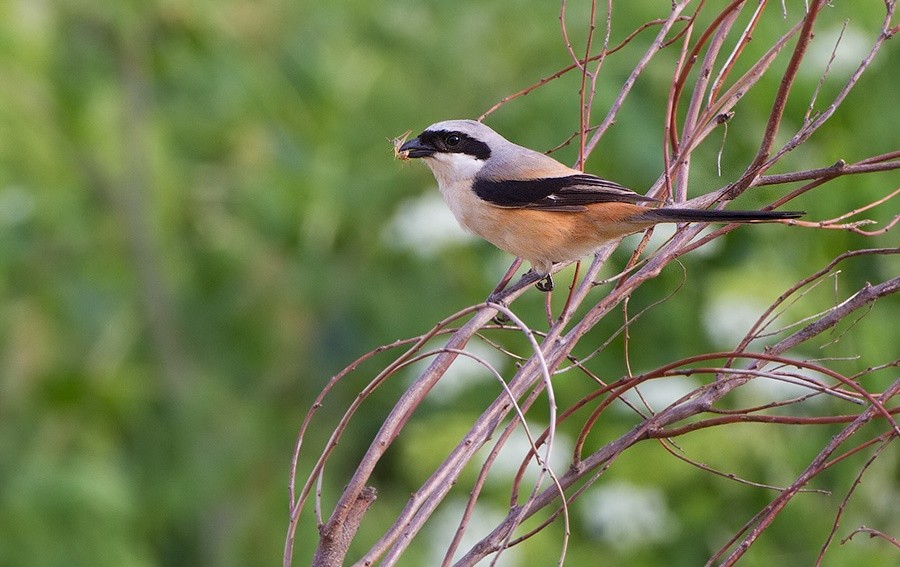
(546, 284)
(500, 318)
(496, 297)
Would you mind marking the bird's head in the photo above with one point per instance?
(455, 150)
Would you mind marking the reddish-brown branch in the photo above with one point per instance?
(818, 465)
(572, 67)
(684, 71)
(840, 512)
(750, 418)
(826, 173)
(756, 518)
(531, 380)
(872, 533)
(670, 448)
(759, 325)
(691, 405)
(641, 65)
(787, 81)
(742, 43)
(334, 544)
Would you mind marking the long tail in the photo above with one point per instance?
(704, 215)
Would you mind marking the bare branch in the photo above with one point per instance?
(872, 533)
(713, 85)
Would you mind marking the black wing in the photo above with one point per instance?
(569, 193)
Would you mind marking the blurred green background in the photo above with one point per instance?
(201, 221)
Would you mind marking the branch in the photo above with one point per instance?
(678, 411)
(710, 101)
(765, 518)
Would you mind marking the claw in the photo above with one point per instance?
(546, 284)
(501, 319)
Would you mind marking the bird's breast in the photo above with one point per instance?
(525, 233)
(540, 237)
(472, 213)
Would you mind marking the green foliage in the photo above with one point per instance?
(194, 198)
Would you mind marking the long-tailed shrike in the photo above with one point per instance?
(532, 206)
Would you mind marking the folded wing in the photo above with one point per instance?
(568, 193)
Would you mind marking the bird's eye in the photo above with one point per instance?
(452, 140)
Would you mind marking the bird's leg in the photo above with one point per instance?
(504, 290)
(545, 284)
(496, 296)
(500, 294)
(506, 279)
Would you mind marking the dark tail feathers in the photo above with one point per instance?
(705, 215)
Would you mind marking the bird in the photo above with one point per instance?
(534, 207)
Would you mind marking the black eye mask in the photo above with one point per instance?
(455, 142)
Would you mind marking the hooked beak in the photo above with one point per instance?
(415, 148)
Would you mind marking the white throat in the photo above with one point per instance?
(452, 168)
(455, 175)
